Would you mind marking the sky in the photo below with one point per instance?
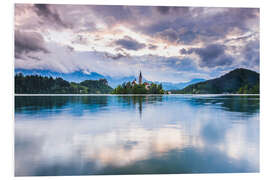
(168, 44)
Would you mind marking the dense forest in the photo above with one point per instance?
(238, 81)
(129, 88)
(36, 84)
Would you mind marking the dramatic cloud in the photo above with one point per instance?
(116, 12)
(163, 9)
(26, 42)
(187, 37)
(213, 55)
(167, 43)
(188, 26)
(44, 11)
(166, 10)
(129, 43)
(252, 54)
(184, 51)
(169, 35)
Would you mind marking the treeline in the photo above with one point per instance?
(249, 89)
(129, 88)
(197, 89)
(36, 84)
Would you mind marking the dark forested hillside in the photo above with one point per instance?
(238, 81)
(35, 84)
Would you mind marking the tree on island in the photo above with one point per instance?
(127, 88)
(141, 88)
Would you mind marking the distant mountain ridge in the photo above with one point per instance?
(238, 81)
(79, 76)
(76, 76)
(176, 86)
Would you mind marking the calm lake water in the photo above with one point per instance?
(83, 135)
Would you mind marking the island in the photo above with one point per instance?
(139, 88)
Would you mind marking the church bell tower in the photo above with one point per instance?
(140, 78)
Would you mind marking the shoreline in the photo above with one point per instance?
(136, 94)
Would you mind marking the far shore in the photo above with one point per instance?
(136, 94)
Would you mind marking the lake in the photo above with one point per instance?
(94, 135)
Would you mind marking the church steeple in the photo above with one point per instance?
(140, 78)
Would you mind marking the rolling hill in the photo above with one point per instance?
(238, 81)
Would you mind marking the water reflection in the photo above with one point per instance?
(175, 134)
(38, 103)
(244, 104)
(138, 101)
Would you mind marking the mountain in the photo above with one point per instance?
(77, 76)
(238, 81)
(174, 86)
(113, 81)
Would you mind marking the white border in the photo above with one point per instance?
(7, 124)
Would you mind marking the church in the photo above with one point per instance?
(146, 84)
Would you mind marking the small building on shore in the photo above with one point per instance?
(133, 82)
(147, 85)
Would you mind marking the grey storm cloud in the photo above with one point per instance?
(212, 56)
(129, 44)
(47, 14)
(210, 52)
(119, 12)
(130, 15)
(173, 31)
(26, 42)
(252, 54)
(187, 37)
(169, 35)
(112, 14)
(185, 52)
(187, 28)
(183, 64)
(220, 24)
(174, 36)
(164, 10)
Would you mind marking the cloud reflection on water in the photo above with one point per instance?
(116, 139)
